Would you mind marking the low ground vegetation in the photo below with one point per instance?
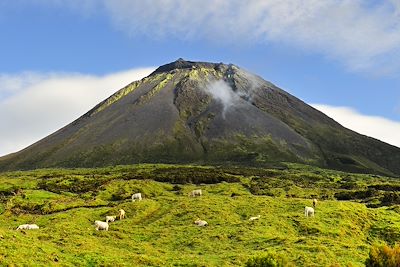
(354, 211)
(383, 256)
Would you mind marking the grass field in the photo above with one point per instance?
(159, 230)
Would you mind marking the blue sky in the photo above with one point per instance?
(341, 56)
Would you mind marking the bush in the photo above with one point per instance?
(121, 194)
(390, 234)
(194, 175)
(10, 191)
(385, 187)
(383, 256)
(390, 198)
(28, 207)
(177, 188)
(77, 185)
(269, 260)
(356, 195)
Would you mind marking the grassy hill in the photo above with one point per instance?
(159, 230)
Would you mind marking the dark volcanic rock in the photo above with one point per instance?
(182, 64)
(205, 113)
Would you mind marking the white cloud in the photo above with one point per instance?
(34, 105)
(374, 126)
(363, 35)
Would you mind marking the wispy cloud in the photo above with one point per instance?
(378, 127)
(34, 105)
(362, 35)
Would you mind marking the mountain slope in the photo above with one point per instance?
(205, 113)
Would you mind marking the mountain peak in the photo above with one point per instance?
(180, 63)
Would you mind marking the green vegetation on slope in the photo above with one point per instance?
(115, 97)
(159, 230)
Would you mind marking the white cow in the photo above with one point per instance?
(254, 218)
(101, 225)
(28, 227)
(201, 223)
(136, 196)
(121, 214)
(110, 218)
(314, 202)
(308, 212)
(196, 192)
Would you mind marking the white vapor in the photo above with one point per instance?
(374, 126)
(222, 92)
(33, 105)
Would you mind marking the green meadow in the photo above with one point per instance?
(354, 212)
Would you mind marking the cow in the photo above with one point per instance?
(101, 225)
(314, 202)
(28, 227)
(254, 218)
(121, 214)
(195, 193)
(308, 212)
(110, 218)
(136, 196)
(201, 223)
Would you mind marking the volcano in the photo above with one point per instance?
(205, 113)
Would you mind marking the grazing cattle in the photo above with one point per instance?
(121, 214)
(195, 193)
(254, 218)
(314, 202)
(28, 227)
(201, 223)
(136, 196)
(110, 218)
(101, 225)
(308, 212)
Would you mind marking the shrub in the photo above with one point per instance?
(72, 184)
(269, 260)
(383, 256)
(10, 191)
(390, 198)
(28, 207)
(385, 187)
(390, 234)
(353, 195)
(194, 175)
(177, 188)
(121, 194)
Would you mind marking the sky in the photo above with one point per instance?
(59, 58)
